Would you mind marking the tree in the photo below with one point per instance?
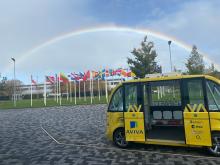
(144, 60)
(213, 72)
(195, 63)
(212, 68)
(9, 87)
(175, 69)
(2, 86)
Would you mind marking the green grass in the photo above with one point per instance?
(50, 103)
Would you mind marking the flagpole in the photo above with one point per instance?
(75, 91)
(67, 92)
(71, 99)
(37, 88)
(31, 90)
(45, 93)
(99, 89)
(90, 86)
(54, 87)
(59, 90)
(84, 90)
(106, 88)
(79, 91)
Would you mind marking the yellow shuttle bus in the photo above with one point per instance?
(166, 110)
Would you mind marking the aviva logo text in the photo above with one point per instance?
(133, 129)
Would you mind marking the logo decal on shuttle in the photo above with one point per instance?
(195, 108)
(134, 108)
(133, 124)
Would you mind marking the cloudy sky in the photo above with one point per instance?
(29, 30)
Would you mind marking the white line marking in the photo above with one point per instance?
(127, 150)
(50, 135)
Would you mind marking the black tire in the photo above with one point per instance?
(215, 149)
(119, 138)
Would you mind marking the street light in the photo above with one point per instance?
(13, 59)
(171, 65)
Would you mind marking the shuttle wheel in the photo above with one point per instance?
(119, 138)
(215, 149)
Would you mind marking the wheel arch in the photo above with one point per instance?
(120, 143)
(117, 129)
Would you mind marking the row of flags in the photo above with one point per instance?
(84, 76)
(77, 78)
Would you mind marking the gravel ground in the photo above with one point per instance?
(76, 135)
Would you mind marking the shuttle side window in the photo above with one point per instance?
(116, 104)
(165, 93)
(195, 90)
(213, 94)
(130, 95)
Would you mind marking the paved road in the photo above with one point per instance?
(76, 135)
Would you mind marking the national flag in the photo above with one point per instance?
(33, 82)
(129, 74)
(71, 76)
(123, 73)
(99, 74)
(103, 74)
(50, 79)
(107, 73)
(118, 72)
(81, 75)
(133, 74)
(77, 76)
(113, 72)
(95, 74)
(110, 72)
(63, 78)
(86, 76)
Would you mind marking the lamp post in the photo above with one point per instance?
(171, 65)
(13, 59)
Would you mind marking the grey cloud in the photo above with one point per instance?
(27, 23)
(196, 22)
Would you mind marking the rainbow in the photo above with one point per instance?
(112, 29)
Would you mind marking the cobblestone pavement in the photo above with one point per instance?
(76, 135)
